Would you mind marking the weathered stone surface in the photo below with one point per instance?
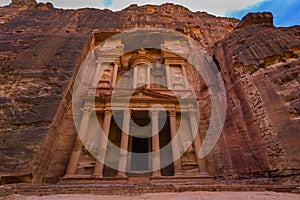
(42, 47)
(23, 3)
(260, 66)
(265, 18)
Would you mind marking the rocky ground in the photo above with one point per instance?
(170, 196)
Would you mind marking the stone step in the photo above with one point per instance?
(135, 188)
(138, 178)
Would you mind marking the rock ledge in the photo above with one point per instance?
(265, 18)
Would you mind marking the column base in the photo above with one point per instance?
(69, 176)
(156, 174)
(121, 175)
(97, 176)
(178, 174)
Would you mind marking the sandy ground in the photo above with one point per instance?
(169, 196)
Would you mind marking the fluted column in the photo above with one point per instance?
(99, 166)
(115, 75)
(197, 142)
(124, 144)
(73, 162)
(155, 144)
(175, 144)
(135, 71)
(168, 76)
(97, 75)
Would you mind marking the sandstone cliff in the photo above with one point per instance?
(42, 47)
(260, 66)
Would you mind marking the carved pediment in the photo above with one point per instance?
(145, 94)
(142, 94)
(151, 95)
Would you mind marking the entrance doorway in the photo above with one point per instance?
(140, 161)
(140, 144)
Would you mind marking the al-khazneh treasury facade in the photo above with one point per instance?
(141, 100)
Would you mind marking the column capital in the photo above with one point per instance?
(86, 110)
(192, 114)
(172, 113)
(154, 113)
(108, 112)
(127, 112)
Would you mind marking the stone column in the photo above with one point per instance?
(135, 71)
(148, 77)
(124, 144)
(97, 75)
(99, 166)
(73, 162)
(185, 77)
(197, 142)
(155, 143)
(168, 77)
(175, 144)
(115, 75)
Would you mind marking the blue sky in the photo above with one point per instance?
(286, 12)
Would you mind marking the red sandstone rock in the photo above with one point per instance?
(41, 48)
(265, 18)
(261, 65)
(23, 3)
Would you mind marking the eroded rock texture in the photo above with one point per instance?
(260, 66)
(42, 47)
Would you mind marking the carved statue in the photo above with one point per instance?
(142, 75)
(177, 77)
(106, 74)
(189, 152)
(124, 81)
(105, 79)
(177, 80)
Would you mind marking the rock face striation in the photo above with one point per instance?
(260, 66)
(42, 48)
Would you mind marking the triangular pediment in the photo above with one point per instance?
(144, 94)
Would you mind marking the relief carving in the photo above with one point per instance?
(141, 75)
(189, 154)
(188, 159)
(177, 80)
(105, 79)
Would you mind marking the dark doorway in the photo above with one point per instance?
(140, 161)
(167, 157)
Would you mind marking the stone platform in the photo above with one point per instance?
(137, 188)
(200, 179)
